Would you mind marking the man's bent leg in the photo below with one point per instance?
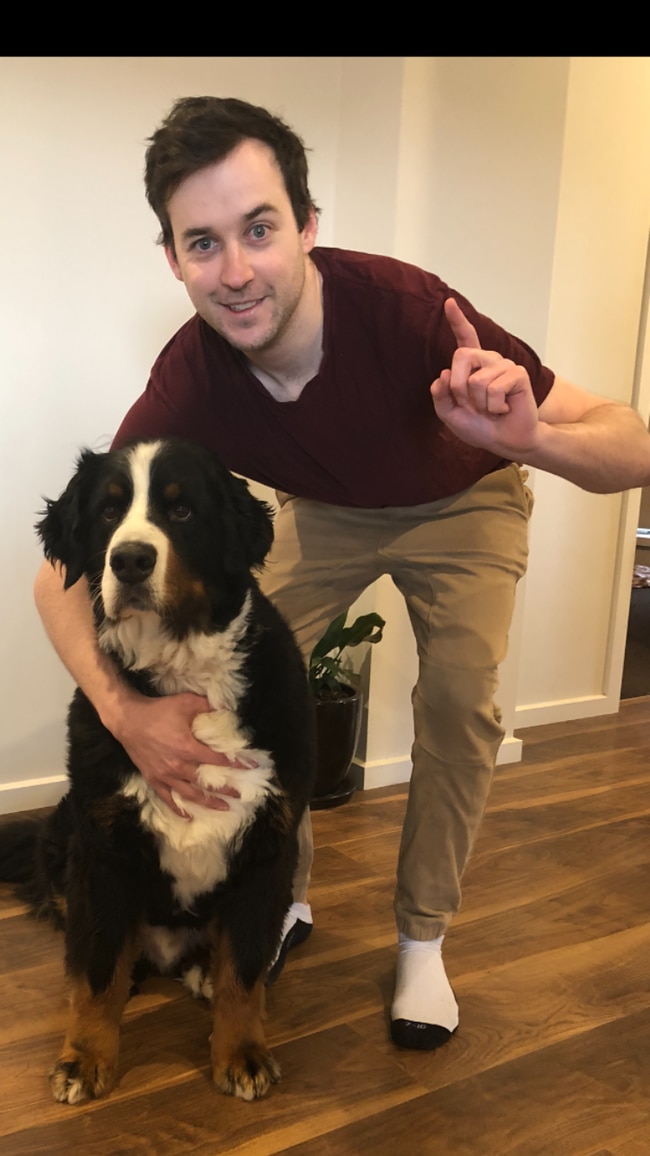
(460, 606)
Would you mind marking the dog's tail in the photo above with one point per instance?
(32, 857)
(18, 850)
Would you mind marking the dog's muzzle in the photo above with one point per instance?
(133, 562)
(132, 565)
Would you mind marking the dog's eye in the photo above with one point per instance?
(180, 512)
(109, 513)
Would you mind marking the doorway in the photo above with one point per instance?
(636, 665)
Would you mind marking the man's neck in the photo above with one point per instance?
(285, 368)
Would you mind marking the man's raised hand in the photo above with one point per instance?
(484, 398)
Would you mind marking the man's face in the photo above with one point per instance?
(238, 249)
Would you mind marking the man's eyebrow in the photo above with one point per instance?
(265, 207)
(197, 231)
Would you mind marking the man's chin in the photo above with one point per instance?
(248, 334)
(246, 343)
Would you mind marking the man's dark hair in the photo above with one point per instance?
(201, 131)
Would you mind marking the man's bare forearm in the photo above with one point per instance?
(488, 402)
(156, 733)
(68, 621)
(606, 451)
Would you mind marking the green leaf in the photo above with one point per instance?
(330, 638)
(366, 628)
(325, 668)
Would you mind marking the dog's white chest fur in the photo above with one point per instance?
(196, 852)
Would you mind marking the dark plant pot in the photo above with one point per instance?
(337, 731)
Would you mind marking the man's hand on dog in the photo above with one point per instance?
(484, 398)
(157, 735)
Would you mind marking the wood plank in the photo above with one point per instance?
(548, 956)
(548, 1102)
(187, 1114)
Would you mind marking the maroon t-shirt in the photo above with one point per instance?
(364, 431)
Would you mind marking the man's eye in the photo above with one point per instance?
(259, 232)
(204, 244)
(180, 512)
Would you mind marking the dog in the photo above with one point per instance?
(169, 541)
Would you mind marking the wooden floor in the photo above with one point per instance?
(550, 960)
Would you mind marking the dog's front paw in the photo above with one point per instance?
(85, 1078)
(248, 1073)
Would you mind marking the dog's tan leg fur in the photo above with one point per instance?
(86, 1068)
(242, 1065)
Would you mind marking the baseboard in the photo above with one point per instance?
(564, 710)
(31, 794)
(388, 772)
(381, 773)
(510, 751)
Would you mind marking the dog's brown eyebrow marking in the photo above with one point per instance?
(172, 491)
(115, 490)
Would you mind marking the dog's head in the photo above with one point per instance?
(159, 526)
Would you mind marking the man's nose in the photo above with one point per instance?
(236, 271)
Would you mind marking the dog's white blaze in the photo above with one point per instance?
(136, 527)
(196, 853)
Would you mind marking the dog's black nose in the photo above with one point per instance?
(132, 562)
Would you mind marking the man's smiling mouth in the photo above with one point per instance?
(241, 306)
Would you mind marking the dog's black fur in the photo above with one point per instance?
(168, 539)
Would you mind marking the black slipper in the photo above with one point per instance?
(421, 1037)
(297, 933)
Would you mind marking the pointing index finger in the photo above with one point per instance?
(462, 329)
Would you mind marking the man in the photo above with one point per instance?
(310, 370)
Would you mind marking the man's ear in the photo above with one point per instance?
(172, 261)
(309, 232)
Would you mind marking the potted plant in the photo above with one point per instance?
(338, 705)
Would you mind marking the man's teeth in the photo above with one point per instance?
(242, 307)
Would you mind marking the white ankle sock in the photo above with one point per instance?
(300, 911)
(296, 911)
(422, 991)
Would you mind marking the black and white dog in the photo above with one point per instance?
(167, 539)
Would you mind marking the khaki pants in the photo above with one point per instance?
(457, 562)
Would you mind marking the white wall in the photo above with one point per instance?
(479, 169)
(495, 172)
(582, 545)
(473, 195)
(86, 303)
(526, 182)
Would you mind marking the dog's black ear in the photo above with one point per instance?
(60, 527)
(252, 525)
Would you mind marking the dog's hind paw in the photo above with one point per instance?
(248, 1074)
(75, 1081)
(197, 980)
